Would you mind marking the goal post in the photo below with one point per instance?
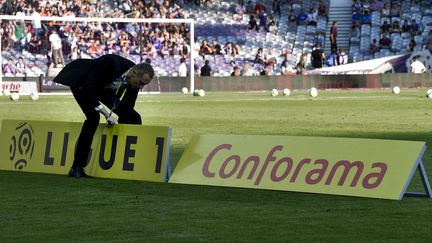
(64, 20)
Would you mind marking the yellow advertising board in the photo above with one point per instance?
(132, 152)
(341, 166)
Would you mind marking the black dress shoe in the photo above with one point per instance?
(77, 172)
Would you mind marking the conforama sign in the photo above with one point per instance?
(123, 151)
(341, 166)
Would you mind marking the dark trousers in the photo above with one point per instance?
(125, 113)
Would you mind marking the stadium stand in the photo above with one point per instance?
(221, 21)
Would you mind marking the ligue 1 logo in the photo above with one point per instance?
(22, 145)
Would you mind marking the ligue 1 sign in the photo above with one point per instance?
(122, 151)
(340, 166)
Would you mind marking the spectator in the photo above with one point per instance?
(21, 69)
(405, 26)
(385, 27)
(357, 18)
(205, 48)
(342, 57)
(317, 57)
(240, 9)
(263, 20)
(322, 10)
(357, 6)
(301, 64)
(9, 68)
(312, 17)
(250, 7)
(182, 69)
(259, 57)
(331, 60)
(355, 34)
(292, 18)
(412, 45)
(333, 37)
(229, 49)
(366, 18)
(270, 59)
(124, 52)
(319, 40)
(272, 27)
(56, 48)
(417, 66)
(236, 72)
(252, 23)
(395, 10)
(385, 41)
(374, 48)
(376, 5)
(414, 28)
(247, 71)
(286, 68)
(366, 5)
(216, 48)
(260, 7)
(237, 49)
(395, 28)
(277, 7)
(302, 17)
(385, 12)
(206, 69)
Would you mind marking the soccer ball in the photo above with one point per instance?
(286, 92)
(14, 96)
(6, 92)
(185, 90)
(195, 93)
(396, 90)
(201, 92)
(313, 92)
(34, 96)
(429, 93)
(274, 92)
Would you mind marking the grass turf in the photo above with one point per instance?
(40, 207)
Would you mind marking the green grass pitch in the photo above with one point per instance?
(41, 207)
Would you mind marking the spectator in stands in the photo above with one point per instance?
(270, 59)
(205, 48)
(9, 68)
(374, 48)
(286, 68)
(366, 18)
(376, 5)
(319, 40)
(395, 27)
(366, 5)
(237, 49)
(229, 49)
(301, 64)
(357, 18)
(240, 8)
(385, 41)
(292, 18)
(182, 69)
(385, 12)
(331, 60)
(206, 69)
(56, 48)
(395, 10)
(355, 34)
(236, 72)
(259, 57)
(35, 43)
(37, 25)
(312, 17)
(216, 47)
(405, 26)
(263, 20)
(414, 28)
(149, 49)
(322, 10)
(417, 66)
(247, 71)
(277, 7)
(333, 37)
(21, 69)
(357, 6)
(385, 27)
(272, 27)
(124, 52)
(342, 57)
(302, 17)
(317, 56)
(252, 23)
(166, 49)
(412, 45)
(20, 34)
(260, 7)
(250, 7)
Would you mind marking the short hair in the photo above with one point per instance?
(144, 68)
(148, 60)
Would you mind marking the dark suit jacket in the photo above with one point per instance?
(91, 76)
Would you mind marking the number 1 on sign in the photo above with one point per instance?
(160, 143)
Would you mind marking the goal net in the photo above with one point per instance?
(31, 47)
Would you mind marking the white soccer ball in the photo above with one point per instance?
(34, 96)
(195, 93)
(14, 96)
(313, 92)
(286, 92)
(6, 92)
(429, 93)
(274, 92)
(201, 92)
(185, 90)
(396, 90)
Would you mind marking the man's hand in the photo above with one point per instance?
(111, 121)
